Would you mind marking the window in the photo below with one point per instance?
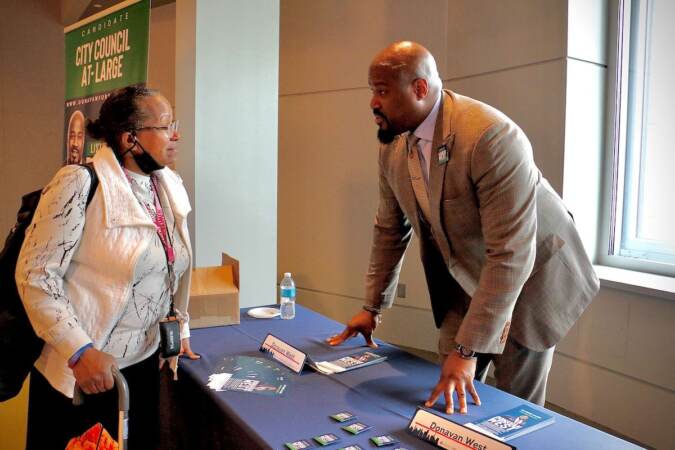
(640, 224)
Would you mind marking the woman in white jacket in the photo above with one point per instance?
(96, 280)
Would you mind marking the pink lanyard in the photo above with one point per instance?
(160, 223)
(162, 231)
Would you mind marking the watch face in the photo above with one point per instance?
(465, 351)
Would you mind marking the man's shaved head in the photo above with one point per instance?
(405, 84)
(409, 60)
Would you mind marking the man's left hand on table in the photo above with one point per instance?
(457, 374)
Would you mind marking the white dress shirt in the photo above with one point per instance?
(425, 133)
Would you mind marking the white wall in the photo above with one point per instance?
(617, 363)
(227, 78)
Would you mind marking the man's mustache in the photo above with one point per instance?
(380, 114)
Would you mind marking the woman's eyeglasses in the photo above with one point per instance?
(170, 129)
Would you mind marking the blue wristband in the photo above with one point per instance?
(77, 355)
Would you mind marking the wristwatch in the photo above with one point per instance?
(372, 309)
(464, 352)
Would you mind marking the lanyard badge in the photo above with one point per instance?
(169, 327)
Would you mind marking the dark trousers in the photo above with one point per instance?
(53, 419)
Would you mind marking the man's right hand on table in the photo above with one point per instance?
(364, 322)
(93, 371)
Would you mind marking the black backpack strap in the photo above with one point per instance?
(94, 181)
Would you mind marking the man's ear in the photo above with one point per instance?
(421, 88)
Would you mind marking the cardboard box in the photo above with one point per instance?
(214, 295)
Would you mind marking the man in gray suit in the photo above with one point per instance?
(506, 271)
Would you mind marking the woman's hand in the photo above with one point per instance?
(185, 349)
(93, 371)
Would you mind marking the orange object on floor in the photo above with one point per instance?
(95, 438)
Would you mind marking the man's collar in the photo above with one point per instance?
(425, 130)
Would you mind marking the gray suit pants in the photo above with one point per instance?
(518, 370)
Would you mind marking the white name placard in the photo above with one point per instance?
(285, 353)
(446, 434)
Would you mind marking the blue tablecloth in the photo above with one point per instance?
(384, 395)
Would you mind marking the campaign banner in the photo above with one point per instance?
(104, 52)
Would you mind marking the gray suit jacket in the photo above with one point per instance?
(500, 248)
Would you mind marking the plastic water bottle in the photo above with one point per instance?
(287, 288)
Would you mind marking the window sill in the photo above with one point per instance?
(638, 282)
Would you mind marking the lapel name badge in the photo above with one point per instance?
(444, 150)
(442, 155)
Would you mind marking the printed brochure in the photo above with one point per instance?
(349, 362)
(512, 423)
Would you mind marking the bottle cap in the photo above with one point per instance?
(287, 274)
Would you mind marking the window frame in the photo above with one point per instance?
(616, 211)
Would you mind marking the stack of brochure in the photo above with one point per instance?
(349, 362)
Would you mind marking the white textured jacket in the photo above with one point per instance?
(78, 298)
